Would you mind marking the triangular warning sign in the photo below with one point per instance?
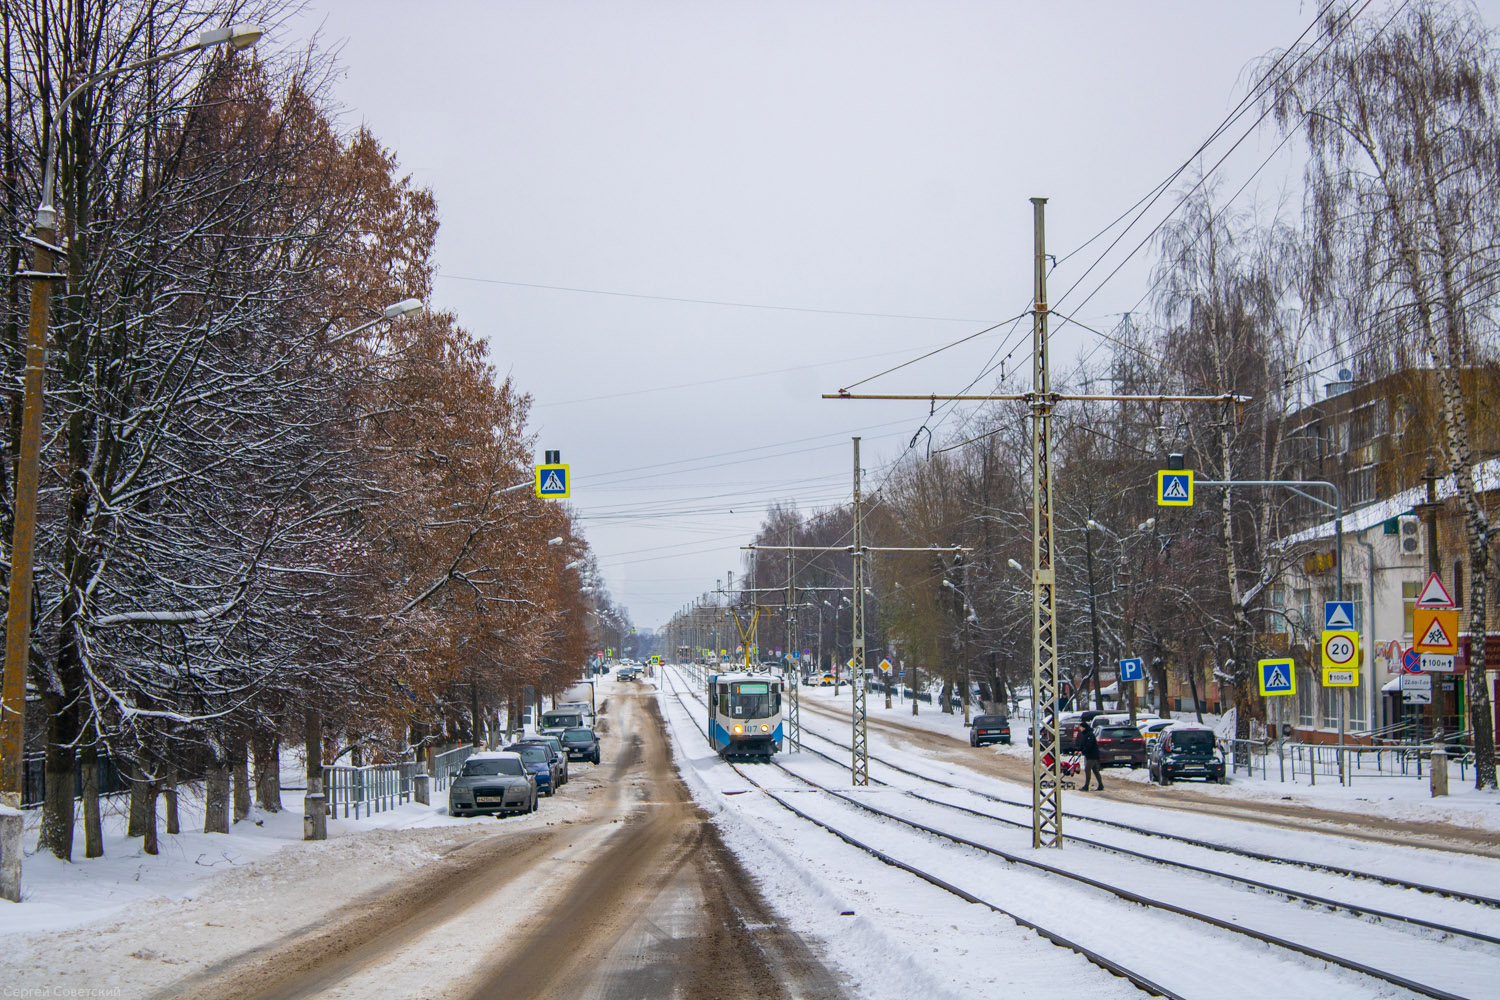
(1174, 489)
(1434, 594)
(1276, 680)
(1436, 635)
(553, 484)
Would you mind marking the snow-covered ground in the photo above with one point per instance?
(1407, 798)
(905, 937)
(58, 894)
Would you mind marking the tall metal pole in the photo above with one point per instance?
(793, 713)
(860, 771)
(1046, 775)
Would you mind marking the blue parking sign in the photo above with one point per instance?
(1132, 669)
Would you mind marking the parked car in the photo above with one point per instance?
(1152, 728)
(1069, 729)
(559, 755)
(492, 782)
(581, 744)
(1121, 745)
(1185, 751)
(989, 729)
(538, 760)
(1103, 719)
(583, 708)
(557, 720)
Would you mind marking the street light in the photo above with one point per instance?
(44, 250)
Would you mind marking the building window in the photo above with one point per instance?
(1276, 618)
(1355, 592)
(1458, 583)
(1359, 703)
(1302, 598)
(1306, 696)
(1409, 591)
(1361, 485)
(1331, 699)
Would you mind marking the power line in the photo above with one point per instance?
(705, 302)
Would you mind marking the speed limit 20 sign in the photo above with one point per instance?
(1340, 658)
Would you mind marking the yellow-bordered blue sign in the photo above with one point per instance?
(1174, 487)
(1277, 677)
(552, 482)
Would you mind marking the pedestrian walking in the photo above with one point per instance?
(1088, 743)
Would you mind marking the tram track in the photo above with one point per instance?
(1119, 892)
(1389, 880)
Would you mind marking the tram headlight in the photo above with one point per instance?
(765, 729)
(739, 729)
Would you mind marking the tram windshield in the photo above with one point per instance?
(754, 700)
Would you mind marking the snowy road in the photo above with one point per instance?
(615, 889)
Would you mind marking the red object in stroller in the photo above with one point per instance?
(1071, 766)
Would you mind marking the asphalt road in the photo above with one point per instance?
(638, 899)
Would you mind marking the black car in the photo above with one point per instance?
(1120, 745)
(1184, 752)
(989, 729)
(581, 744)
(1069, 733)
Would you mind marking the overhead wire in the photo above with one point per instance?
(706, 302)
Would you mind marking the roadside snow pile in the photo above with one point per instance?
(58, 894)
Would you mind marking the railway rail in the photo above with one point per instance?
(1222, 923)
(1444, 891)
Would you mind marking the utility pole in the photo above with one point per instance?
(793, 713)
(1046, 758)
(860, 769)
(1046, 781)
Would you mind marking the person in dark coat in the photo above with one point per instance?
(1088, 743)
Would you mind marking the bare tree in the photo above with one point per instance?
(1401, 118)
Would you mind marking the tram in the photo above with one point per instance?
(744, 715)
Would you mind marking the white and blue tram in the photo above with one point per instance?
(744, 715)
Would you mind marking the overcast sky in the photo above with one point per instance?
(740, 205)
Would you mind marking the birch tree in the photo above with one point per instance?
(1400, 117)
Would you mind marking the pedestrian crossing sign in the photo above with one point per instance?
(1174, 488)
(1435, 630)
(1277, 677)
(552, 482)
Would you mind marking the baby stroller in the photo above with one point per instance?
(1072, 765)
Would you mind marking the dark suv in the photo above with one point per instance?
(581, 744)
(989, 729)
(1182, 752)
(1121, 745)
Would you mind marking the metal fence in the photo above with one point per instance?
(34, 779)
(447, 764)
(369, 789)
(1285, 760)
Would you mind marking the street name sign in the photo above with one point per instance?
(1174, 487)
(1132, 669)
(1277, 677)
(1434, 630)
(1338, 615)
(552, 482)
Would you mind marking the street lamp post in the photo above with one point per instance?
(44, 254)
